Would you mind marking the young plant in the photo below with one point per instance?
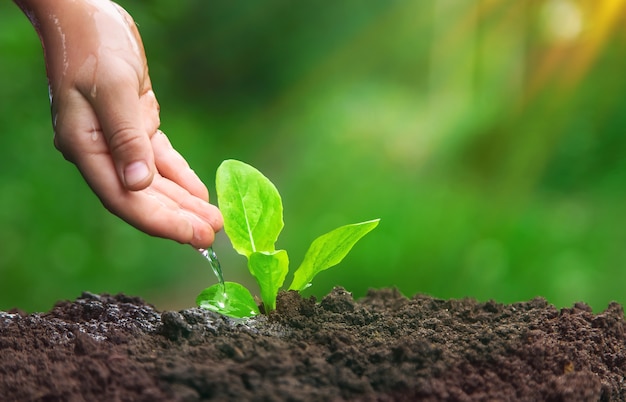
(253, 219)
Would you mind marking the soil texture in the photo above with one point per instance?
(384, 347)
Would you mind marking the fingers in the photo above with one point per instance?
(173, 166)
(164, 209)
(205, 219)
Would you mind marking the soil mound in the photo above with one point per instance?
(384, 347)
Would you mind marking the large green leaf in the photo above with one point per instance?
(328, 250)
(270, 270)
(231, 299)
(251, 206)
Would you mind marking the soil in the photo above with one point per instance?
(384, 347)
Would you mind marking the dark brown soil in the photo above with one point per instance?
(384, 347)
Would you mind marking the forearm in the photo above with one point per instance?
(74, 31)
(44, 16)
(53, 17)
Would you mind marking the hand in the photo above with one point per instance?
(106, 119)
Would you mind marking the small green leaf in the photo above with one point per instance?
(270, 270)
(251, 206)
(328, 250)
(231, 299)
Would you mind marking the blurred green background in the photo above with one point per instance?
(488, 135)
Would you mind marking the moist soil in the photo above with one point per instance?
(383, 347)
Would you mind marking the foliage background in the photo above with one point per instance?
(488, 135)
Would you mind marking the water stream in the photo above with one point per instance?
(210, 255)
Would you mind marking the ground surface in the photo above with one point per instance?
(384, 347)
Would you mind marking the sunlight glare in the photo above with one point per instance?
(562, 20)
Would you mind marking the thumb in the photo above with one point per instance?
(120, 115)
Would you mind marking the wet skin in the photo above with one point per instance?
(106, 119)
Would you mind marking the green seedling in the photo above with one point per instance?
(253, 219)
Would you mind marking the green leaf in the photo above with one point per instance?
(231, 299)
(270, 270)
(328, 250)
(251, 206)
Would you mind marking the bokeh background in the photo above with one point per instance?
(488, 135)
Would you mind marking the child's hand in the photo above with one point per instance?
(106, 120)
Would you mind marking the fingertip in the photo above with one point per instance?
(203, 236)
(217, 219)
(199, 189)
(204, 231)
(192, 229)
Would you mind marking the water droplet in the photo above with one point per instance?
(94, 133)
